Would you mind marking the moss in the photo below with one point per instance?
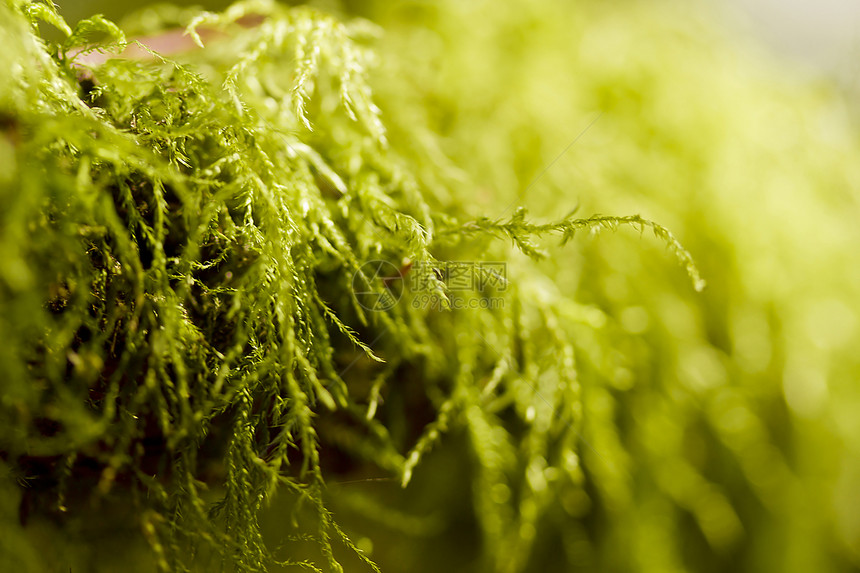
(719, 421)
(189, 237)
(270, 295)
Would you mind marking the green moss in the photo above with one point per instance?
(186, 238)
(231, 291)
(721, 423)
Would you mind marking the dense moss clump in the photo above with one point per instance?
(257, 317)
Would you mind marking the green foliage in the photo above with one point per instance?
(189, 238)
(187, 233)
(723, 424)
(520, 231)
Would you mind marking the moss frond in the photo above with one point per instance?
(187, 240)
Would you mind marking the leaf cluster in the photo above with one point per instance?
(185, 242)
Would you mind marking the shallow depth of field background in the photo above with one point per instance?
(736, 127)
(823, 37)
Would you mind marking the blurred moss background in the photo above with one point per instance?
(732, 417)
